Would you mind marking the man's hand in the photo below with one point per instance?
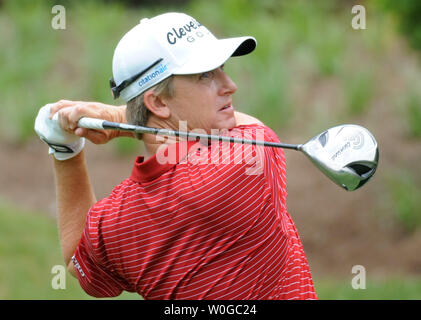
(70, 112)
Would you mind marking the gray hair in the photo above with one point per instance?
(137, 113)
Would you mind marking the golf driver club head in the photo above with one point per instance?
(348, 154)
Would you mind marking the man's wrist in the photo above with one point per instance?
(122, 114)
(77, 159)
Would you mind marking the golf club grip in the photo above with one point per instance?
(100, 124)
(91, 123)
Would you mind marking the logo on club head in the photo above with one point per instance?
(354, 141)
(340, 151)
(357, 140)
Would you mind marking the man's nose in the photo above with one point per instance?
(228, 87)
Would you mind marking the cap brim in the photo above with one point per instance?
(216, 53)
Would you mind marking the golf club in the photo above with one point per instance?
(348, 154)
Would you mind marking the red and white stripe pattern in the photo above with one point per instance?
(197, 230)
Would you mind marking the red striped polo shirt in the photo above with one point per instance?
(198, 221)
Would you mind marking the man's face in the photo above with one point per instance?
(203, 100)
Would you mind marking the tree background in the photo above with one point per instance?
(310, 71)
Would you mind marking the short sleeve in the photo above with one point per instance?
(94, 278)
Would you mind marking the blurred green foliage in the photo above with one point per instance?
(413, 112)
(309, 63)
(29, 248)
(43, 65)
(24, 63)
(394, 288)
(299, 43)
(359, 92)
(408, 14)
(405, 197)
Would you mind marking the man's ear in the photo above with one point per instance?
(156, 104)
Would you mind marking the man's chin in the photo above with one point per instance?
(228, 124)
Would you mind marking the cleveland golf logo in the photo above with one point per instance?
(357, 140)
(184, 31)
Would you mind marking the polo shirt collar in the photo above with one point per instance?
(162, 161)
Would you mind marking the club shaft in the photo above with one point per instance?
(91, 123)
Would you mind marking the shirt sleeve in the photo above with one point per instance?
(267, 160)
(94, 278)
(259, 159)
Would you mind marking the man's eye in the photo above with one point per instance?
(206, 75)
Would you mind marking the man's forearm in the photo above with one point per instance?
(74, 198)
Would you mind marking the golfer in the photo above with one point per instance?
(189, 222)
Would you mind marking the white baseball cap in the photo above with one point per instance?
(169, 44)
